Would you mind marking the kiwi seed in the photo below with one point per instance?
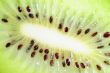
(19, 9)
(4, 20)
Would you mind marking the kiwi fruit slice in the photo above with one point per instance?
(54, 36)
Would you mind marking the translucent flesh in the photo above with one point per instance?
(85, 12)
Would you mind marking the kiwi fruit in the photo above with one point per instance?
(54, 36)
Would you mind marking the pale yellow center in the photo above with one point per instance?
(54, 38)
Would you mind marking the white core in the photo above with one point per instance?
(53, 38)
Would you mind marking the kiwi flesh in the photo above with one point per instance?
(74, 24)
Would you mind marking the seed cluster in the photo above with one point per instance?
(47, 56)
(50, 57)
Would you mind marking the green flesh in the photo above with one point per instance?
(77, 14)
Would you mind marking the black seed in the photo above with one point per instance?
(109, 44)
(18, 17)
(37, 15)
(79, 31)
(36, 47)
(76, 64)
(82, 65)
(100, 47)
(51, 62)
(20, 46)
(107, 62)
(41, 50)
(62, 57)
(31, 15)
(57, 55)
(66, 29)
(45, 57)
(4, 20)
(28, 9)
(46, 51)
(60, 26)
(98, 67)
(19, 9)
(87, 31)
(106, 34)
(94, 34)
(32, 42)
(63, 64)
(51, 19)
(8, 44)
(68, 62)
(33, 54)
(29, 48)
(107, 54)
